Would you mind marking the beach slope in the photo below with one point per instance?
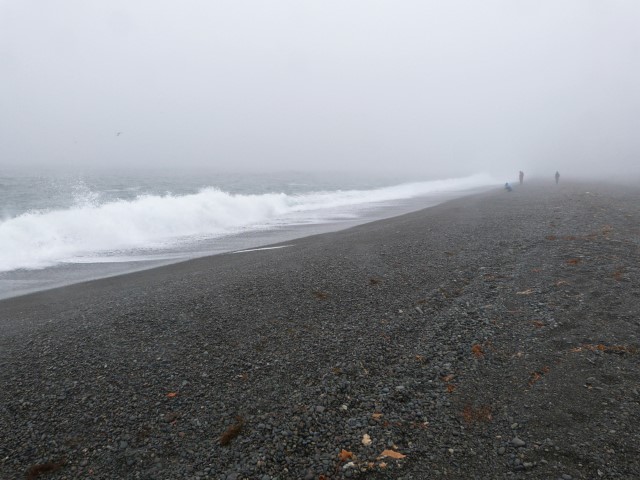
(493, 336)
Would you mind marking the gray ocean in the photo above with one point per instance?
(59, 228)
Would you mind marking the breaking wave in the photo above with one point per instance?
(39, 239)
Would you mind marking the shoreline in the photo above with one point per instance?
(67, 274)
(490, 336)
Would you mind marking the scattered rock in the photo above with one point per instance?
(518, 442)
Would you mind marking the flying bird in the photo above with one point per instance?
(118, 134)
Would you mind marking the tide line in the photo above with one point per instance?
(263, 248)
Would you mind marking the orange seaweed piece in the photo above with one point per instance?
(535, 376)
(391, 454)
(609, 348)
(232, 432)
(477, 350)
(172, 394)
(345, 455)
(471, 414)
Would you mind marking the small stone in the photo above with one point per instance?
(517, 442)
(501, 451)
(320, 409)
(566, 476)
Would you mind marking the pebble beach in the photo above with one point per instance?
(494, 336)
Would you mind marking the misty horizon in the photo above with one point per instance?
(417, 88)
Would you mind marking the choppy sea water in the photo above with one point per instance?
(61, 228)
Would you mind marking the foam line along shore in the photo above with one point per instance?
(105, 231)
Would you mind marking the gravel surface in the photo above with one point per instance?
(494, 336)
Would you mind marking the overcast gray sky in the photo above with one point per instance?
(441, 87)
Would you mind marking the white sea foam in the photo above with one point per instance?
(261, 248)
(40, 239)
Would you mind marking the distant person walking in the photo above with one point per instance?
(557, 177)
(521, 177)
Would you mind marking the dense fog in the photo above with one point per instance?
(426, 87)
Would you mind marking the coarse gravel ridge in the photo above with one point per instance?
(494, 336)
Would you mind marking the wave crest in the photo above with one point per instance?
(40, 239)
